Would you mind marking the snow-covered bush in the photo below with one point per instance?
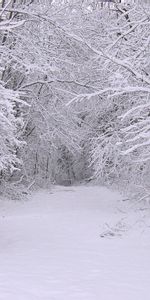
(9, 126)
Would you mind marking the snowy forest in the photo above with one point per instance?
(75, 93)
(74, 149)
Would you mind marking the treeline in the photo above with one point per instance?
(74, 90)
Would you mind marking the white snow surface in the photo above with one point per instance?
(74, 243)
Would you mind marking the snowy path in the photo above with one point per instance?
(51, 249)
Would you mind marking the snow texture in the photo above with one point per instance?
(78, 243)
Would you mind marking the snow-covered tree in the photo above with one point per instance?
(120, 152)
(11, 101)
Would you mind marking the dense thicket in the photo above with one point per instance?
(75, 88)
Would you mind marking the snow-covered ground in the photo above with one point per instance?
(78, 243)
